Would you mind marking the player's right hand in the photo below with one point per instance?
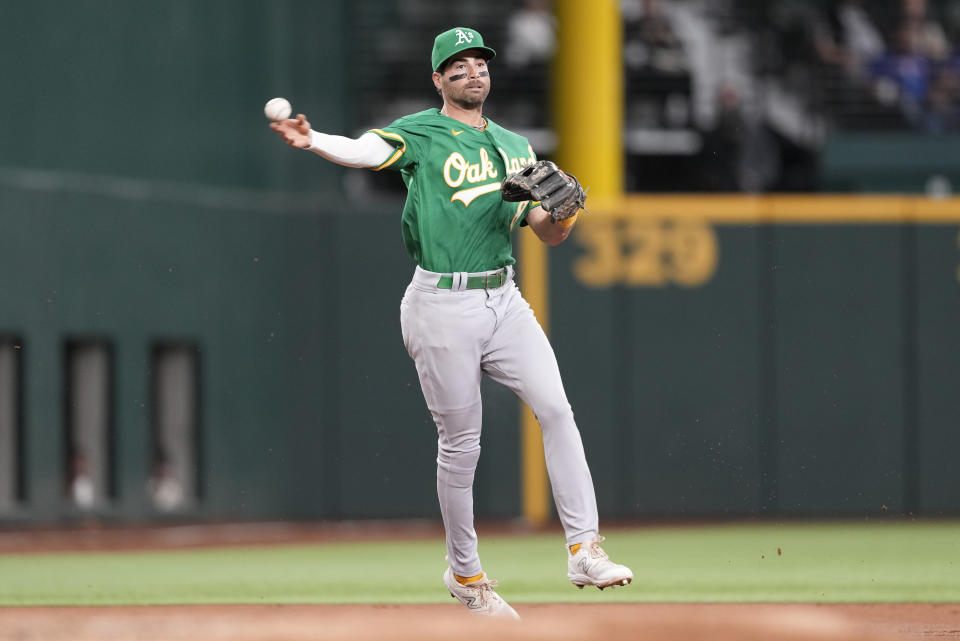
(294, 131)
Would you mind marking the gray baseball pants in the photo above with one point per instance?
(457, 335)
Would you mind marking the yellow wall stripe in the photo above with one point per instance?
(928, 211)
(535, 485)
(587, 109)
(793, 209)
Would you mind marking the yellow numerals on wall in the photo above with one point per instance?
(645, 252)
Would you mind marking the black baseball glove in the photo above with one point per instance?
(559, 192)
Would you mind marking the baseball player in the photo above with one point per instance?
(462, 316)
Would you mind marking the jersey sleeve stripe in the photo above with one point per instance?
(521, 208)
(389, 136)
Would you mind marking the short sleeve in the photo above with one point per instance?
(410, 145)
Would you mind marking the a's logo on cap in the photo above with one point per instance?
(464, 36)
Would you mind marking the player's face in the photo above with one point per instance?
(466, 80)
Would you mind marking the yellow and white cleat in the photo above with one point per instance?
(479, 596)
(590, 565)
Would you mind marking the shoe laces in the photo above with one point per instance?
(484, 588)
(595, 551)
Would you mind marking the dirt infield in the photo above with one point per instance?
(650, 622)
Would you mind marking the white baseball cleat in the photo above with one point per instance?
(479, 597)
(591, 566)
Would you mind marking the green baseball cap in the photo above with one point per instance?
(454, 41)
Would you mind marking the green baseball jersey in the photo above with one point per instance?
(454, 219)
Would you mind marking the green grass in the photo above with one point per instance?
(888, 562)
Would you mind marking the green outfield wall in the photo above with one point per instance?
(805, 363)
(724, 356)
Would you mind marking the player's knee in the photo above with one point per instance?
(554, 412)
(457, 446)
(458, 461)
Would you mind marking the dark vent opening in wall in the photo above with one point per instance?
(175, 435)
(11, 423)
(88, 399)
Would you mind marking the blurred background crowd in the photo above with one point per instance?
(740, 94)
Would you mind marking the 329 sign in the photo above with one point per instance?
(645, 252)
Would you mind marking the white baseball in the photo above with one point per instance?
(277, 109)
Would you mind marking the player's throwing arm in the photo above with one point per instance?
(369, 150)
